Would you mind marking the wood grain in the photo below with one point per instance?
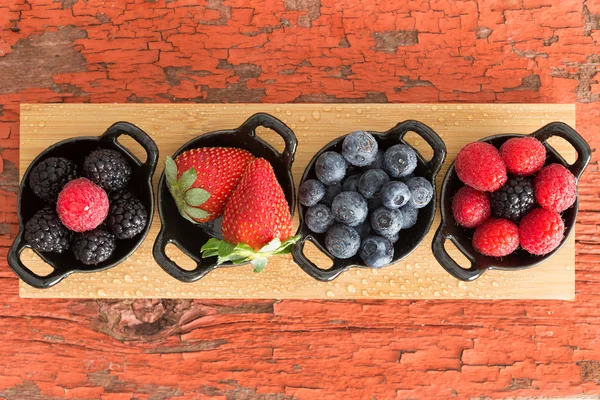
(417, 277)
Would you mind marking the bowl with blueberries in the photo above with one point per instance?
(367, 199)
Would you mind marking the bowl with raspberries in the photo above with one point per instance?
(367, 199)
(509, 201)
(85, 204)
(227, 198)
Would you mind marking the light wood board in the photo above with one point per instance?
(417, 277)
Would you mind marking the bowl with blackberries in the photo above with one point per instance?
(85, 204)
(509, 201)
(367, 199)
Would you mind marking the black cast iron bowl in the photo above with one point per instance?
(190, 237)
(76, 149)
(461, 237)
(409, 238)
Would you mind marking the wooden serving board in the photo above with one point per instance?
(417, 277)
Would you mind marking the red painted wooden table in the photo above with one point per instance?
(300, 51)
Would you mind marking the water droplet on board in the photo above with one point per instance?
(347, 115)
(365, 293)
(351, 288)
(327, 108)
(442, 119)
(117, 281)
(288, 112)
(568, 267)
(470, 117)
(409, 267)
(128, 278)
(338, 115)
(139, 293)
(302, 118)
(485, 115)
(364, 281)
(459, 107)
(278, 109)
(359, 111)
(436, 294)
(101, 292)
(453, 114)
(495, 284)
(330, 293)
(462, 285)
(317, 115)
(42, 124)
(434, 108)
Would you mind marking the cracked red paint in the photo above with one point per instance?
(300, 51)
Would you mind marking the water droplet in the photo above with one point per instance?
(317, 115)
(145, 277)
(462, 285)
(128, 278)
(359, 111)
(409, 267)
(434, 108)
(351, 288)
(139, 293)
(347, 115)
(302, 118)
(470, 117)
(402, 287)
(288, 112)
(339, 108)
(365, 282)
(101, 292)
(456, 123)
(485, 115)
(459, 107)
(365, 293)
(436, 294)
(368, 116)
(392, 283)
(278, 109)
(117, 281)
(453, 114)
(442, 119)
(327, 108)
(42, 124)
(330, 293)
(338, 115)
(495, 284)
(568, 267)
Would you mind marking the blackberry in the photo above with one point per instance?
(93, 247)
(514, 200)
(127, 216)
(49, 176)
(108, 169)
(45, 233)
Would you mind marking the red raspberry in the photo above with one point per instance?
(82, 205)
(555, 188)
(496, 237)
(523, 155)
(470, 207)
(541, 231)
(480, 166)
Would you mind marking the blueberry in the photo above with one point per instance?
(363, 229)
(359, 148)
(350, 183)
(377, 163)
(421, 192)
(395, 194)
(399, 160)
(371, 182)
(342, 241)
(386, 222)
(330, 168)
(311, 192)
(377, 251)
(393, 238)
(318, 218)
(330, 192)
(409, 216)
(350, 208)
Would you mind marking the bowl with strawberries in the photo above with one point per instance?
(227, 198)
(85, 205)
(509, 201)
(367, 199)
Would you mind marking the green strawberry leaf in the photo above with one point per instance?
(210, 253)
(211, 244)
(170, 171)
(225, 248)
(259, 264)
(271, 246)
(184, 215)
(187, 179)
(195, 212)
(286, 246)
(195, 197)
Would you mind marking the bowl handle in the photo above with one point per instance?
(584, 153)
(183, 275)
(270, 122)
(440, 253)
(27, 275)
(125, 128)
(429, 135)
(324, 275)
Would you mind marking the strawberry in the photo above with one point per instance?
(257, 222)
(201, 180)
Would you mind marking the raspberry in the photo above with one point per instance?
(555, 188)
(480, 166)
(523, 156)
(496, 238)
(470, 207)
(541, 231)
(82, 205)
